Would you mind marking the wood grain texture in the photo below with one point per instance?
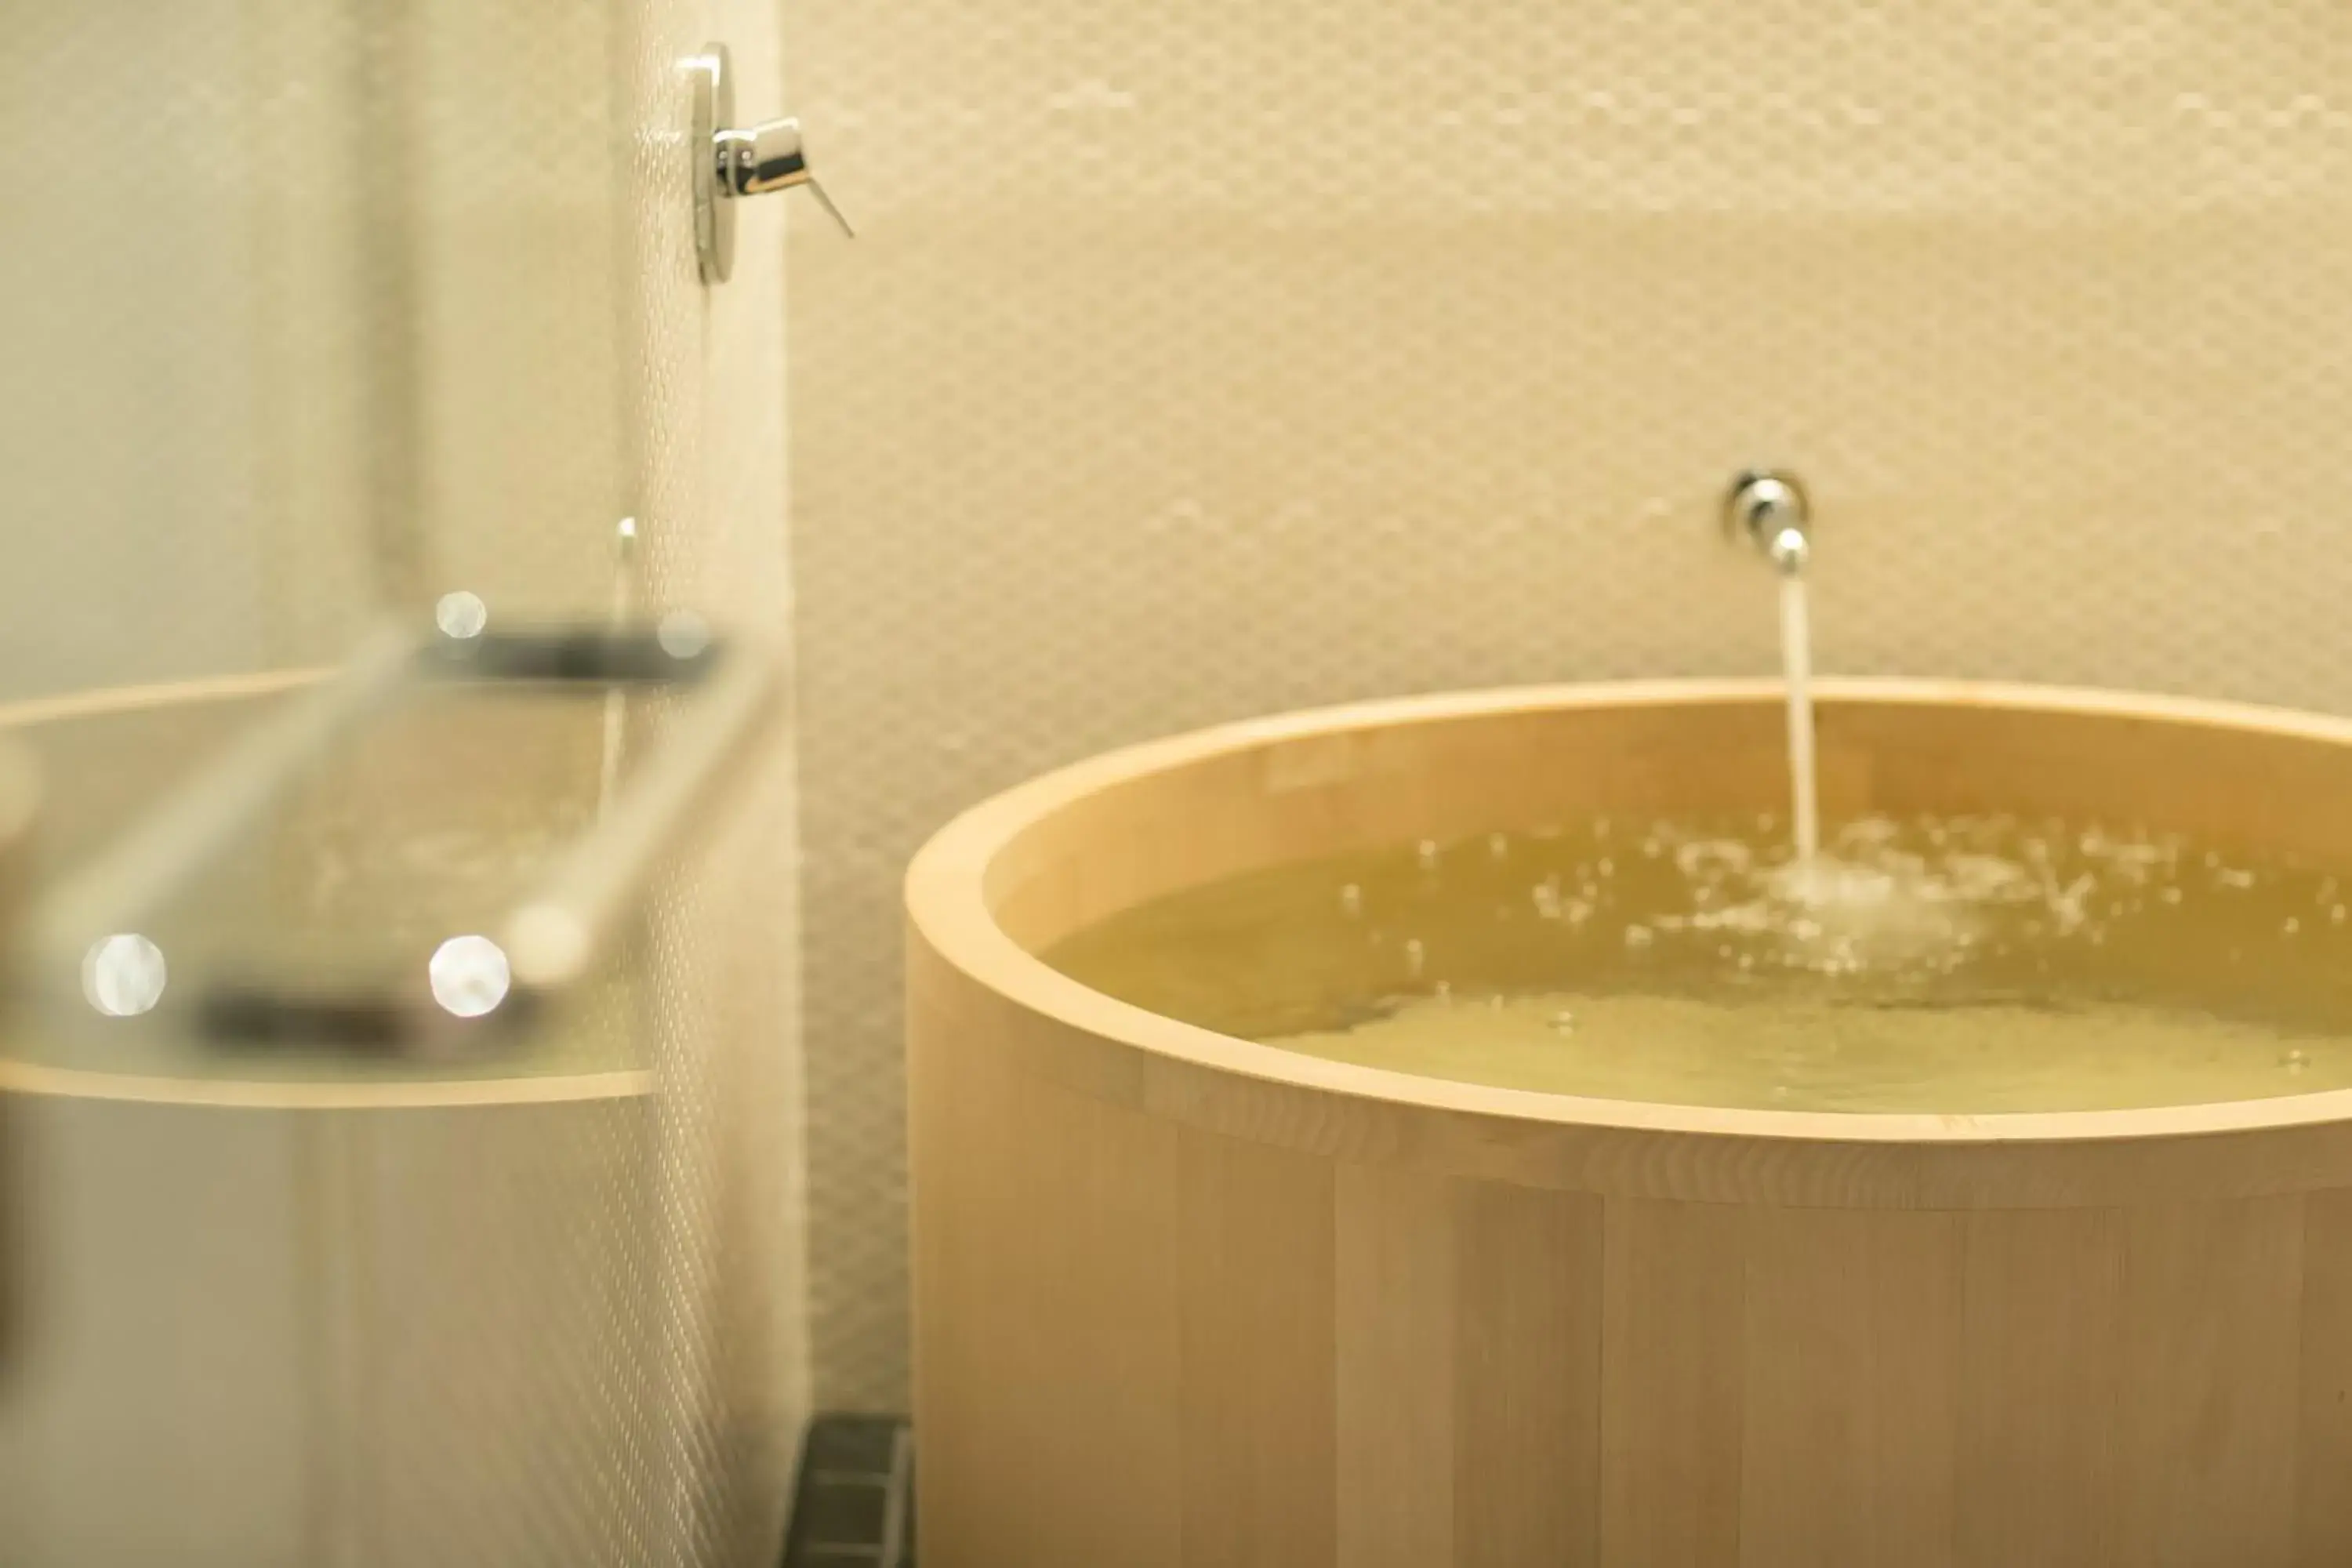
(1672, 1354)
(1019, 871)
(1189, 1301)
(1853, 1386)
(1054, 1387)
(2212, 1310)
(2323, 1512)
(2041, 1369)
(1256, 1252)
(1527, 1461)
(1395, 1297)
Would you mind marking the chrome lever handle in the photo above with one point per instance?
(770, 156)
(732, 162)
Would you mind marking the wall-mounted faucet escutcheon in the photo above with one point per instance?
(1769, 509)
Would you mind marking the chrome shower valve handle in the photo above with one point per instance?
(732, 162)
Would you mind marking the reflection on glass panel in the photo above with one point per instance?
(345, 933)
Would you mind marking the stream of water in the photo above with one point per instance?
(1954, 965)
(1797, 667)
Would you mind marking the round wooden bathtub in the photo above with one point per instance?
(1180, 1298)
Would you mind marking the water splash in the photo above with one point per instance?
(1951, 964)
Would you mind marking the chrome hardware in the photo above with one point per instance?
(730, 162)
(1770, 509)
(545, 943)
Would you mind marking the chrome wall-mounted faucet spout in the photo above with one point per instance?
(1769, 509)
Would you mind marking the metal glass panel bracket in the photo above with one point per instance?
(732, 162)
(431, 862)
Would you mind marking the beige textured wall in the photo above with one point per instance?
(1208, 358)
(186, 422)
(307, 334)
(704, 421)
(310, 309)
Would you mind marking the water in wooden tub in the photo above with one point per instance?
(1952, 965)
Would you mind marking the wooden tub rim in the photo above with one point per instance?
(1221, 1081)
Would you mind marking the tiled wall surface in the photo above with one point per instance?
(321, 338)
(1211, 359)
(312, 311)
